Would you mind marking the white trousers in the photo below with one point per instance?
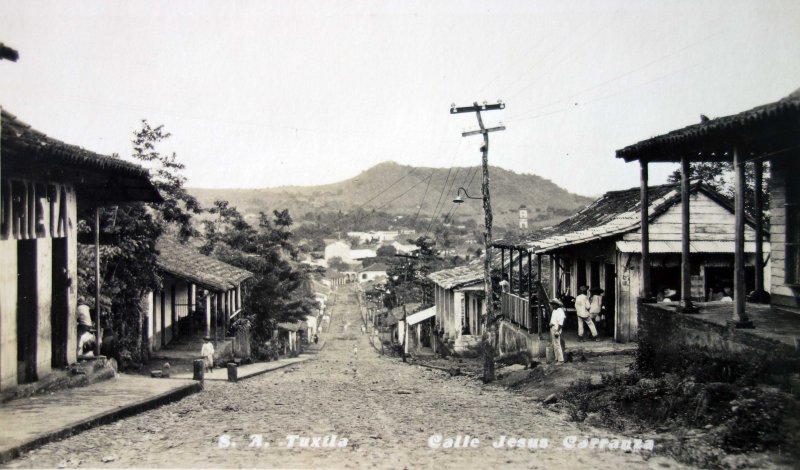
(589, 323)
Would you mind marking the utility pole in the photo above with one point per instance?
(489, 340)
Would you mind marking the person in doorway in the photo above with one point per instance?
(557, 318)
(727, 294)
(582, 307)
(316, 338)
(207, 352)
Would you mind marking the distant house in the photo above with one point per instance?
(600, 247)
(404, 248)
(460, 305)
(198, 292)
(359, 254)
(341, 250)
(372, 272)
(337, 249)
(45, 183)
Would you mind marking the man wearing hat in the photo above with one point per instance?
(582, 306)
(207, 352)
(557, 318)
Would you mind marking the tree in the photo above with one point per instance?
(128, 267)
(178, 205)
(386, 251)
(280, 290)
(338, 264)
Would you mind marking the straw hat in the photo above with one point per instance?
(556, 302)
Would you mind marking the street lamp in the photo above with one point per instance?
(459, 200)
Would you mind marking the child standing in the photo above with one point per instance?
(208, 353)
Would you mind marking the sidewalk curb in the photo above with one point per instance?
(99, 419)
(265, 371)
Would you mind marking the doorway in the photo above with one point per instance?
(59, 308)
(27, 311)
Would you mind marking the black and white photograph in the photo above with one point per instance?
(401, 234)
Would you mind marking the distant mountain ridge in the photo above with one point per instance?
(399, 190)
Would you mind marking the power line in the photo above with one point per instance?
(617, 77)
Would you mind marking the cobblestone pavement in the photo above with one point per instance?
(386, 410)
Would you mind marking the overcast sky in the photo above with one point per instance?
(268, 93)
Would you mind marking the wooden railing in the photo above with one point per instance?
(516, 310)
(520, 312)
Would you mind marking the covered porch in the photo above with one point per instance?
(768, 133)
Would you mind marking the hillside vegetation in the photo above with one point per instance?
(404, 188)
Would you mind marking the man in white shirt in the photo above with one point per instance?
(557, 318)
(582, 306)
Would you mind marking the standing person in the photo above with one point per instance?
(596, 306)
(582, 306)
(207, 352)
(556, 329)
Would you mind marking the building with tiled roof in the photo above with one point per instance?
(372, 272)
(44, 184)
(600, 247)
(198, 292)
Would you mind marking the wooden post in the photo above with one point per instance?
(759, 295)
(208, 314)
(519, 262)
(686, 266)
(98, 329)
(539, 300)
(530, 294)
(644, 290)
(739, 319)
(510, 273)
(490, 344)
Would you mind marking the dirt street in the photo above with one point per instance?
(382, 412)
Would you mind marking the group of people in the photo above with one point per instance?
(588, 307)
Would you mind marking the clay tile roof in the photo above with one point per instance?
(615, 213)
(376, 267)
(23, 145)
(185, 262)
(781, 117)
(466, 275)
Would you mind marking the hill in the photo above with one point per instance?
(400, 190)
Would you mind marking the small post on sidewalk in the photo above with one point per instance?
(233, 372)
(199, 369)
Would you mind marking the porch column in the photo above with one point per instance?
(502, 262)
(238, 296)
(530, 293)
(208, 314)
(644, 291)
(538, 300)
(686, 268)
(739, 319)
(510, 271)
(759, 295)
(519, 262)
